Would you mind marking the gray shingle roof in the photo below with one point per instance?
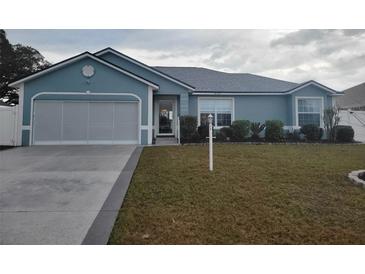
(207, 80)
(354, 97)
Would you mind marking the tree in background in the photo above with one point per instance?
(16, 61)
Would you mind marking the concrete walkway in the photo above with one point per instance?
(56, 194)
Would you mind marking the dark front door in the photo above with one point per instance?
(166, 117)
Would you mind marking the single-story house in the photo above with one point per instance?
(110, 98)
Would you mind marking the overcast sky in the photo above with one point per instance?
(333, 57)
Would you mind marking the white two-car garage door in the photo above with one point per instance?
(79, 122)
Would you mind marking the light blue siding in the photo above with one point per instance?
(184, 104)
(144, 137)
(25, 137)
(261, 108)
(193, 105)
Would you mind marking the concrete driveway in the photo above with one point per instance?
(62, 194)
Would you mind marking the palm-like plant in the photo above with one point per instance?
(256, 128)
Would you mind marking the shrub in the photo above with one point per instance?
(312, 132)
(224, 134)
(240, 129)
(203, 132)
(188, 126)
(195, 138)
(344, 133)
(274, 130)
(293, 136)
(256, 129)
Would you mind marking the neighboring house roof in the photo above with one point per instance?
(208, 80)
(152, 69)
(354, 98)
(77, 58)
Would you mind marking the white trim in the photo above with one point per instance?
(115, 52)
(81, 56)
(236, 93)
(31, 133)
(247, 93)
(25, 127)
(144, 127)
(291, 128)
(216, 98)
(150, 115)
(315, 84)
(18, 140)
(130, 142)
(157, 114)
(309, 97)
(333, 93)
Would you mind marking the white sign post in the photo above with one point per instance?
(210, 121)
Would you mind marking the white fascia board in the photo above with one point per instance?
(235, 93)
(81, 56)
(145, 67)
(315, 84)
(332, 92)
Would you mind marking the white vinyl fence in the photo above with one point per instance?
(9, 135)
(356, 119)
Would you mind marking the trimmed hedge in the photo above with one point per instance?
(240, 129)
(224, 134)
(203, 132)
(274, 130)
(188, 126)
(344, 134)
(312, 132)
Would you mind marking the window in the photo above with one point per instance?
(221, 109)
(309, 111)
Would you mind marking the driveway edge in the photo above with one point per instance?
(99, 232)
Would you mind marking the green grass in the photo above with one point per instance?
(257, 194)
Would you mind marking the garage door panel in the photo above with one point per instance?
(126, 122)
(47, 121)
(79, 122)
(101, 121)
(75, 116)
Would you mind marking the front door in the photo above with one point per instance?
(165, 116)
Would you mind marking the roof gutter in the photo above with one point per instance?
(250, 93)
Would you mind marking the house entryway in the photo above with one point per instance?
(165, 116)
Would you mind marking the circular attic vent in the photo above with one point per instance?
(88, 71)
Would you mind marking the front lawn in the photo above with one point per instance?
(257, 194)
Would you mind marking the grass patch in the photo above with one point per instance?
(264, 194)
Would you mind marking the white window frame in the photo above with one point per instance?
(297, 98)
(217, 98)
